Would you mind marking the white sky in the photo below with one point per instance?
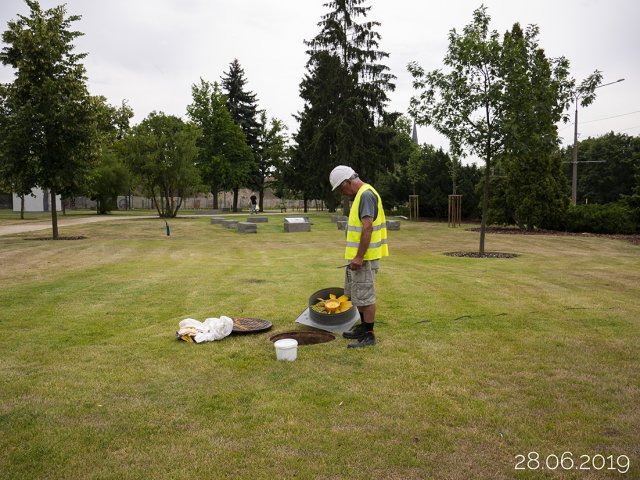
(151, 52)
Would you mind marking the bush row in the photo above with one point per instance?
(619, 217)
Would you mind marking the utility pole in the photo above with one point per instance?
(574, 179)
(574, 175)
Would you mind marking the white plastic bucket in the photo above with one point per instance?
(286, 349)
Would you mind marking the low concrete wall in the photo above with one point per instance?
(247, 227)
(393, 224)
(297, 227)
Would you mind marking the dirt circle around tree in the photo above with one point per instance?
(485, 255)
(79, 237)
(634, 239)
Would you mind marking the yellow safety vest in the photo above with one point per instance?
(378, 247)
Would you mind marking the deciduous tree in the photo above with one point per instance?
(110, 176)
(273, 150)
(225, 160)
(51, 114)
(162, 151)
(608, 167)
(475, 103)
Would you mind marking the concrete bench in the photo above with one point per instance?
(230, 223)
(338, 218)
(217, 220)
(258, 219)
(393, 224)
(342, 224)
(247, 227)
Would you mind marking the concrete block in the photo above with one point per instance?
(230, 223)
(393, 224)
(217, 220)
(297, 227)
(258, 219)
(342, 224)
(247, 227)
(338, 218)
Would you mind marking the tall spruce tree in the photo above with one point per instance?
(356, 44)
(242, 105)
(331, 131)
(345, 95)
(52, 119)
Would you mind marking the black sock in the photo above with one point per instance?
(361, 317)
(369, 327)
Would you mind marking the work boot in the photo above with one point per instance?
(357, 332)
(364, 341)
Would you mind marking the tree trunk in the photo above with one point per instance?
(345, 207)
(261, 200)
(155, 202)
(214, 192)
(21, 207)
(485, 204)
(54, 214)
(235, 198)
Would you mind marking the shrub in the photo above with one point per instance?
(608, 218)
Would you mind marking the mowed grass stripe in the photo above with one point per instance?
(536, 353)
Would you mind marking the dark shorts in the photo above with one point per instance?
(359, 284)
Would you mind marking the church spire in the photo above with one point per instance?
(414, 135)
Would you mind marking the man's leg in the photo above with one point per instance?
(363, 290)
(368, 313)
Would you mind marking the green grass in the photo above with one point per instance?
(477, 361)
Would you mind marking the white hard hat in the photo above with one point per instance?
(340, 174)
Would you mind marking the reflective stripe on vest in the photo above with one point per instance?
(378, 247)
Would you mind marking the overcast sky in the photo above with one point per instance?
(151, 52)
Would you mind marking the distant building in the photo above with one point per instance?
(36, 202)
(6, 201)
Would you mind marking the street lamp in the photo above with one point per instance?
(574, 180)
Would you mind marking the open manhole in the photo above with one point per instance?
(305, 337)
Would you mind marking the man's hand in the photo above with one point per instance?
(356, 263)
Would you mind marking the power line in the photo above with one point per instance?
(607, 118)
(601, 119)
(630, 128)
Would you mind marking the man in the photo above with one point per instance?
(366, 245)
(254, 203)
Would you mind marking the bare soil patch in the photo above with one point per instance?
(485, 255)
(635, 239)
(79, 237)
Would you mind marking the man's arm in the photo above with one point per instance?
(365, 240)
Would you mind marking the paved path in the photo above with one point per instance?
(63, 222)
(66, 222)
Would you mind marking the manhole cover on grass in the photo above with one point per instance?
(250, 325)
(305, 337)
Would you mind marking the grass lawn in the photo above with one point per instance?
(478, 360)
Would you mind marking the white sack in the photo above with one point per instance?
(215, 329)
